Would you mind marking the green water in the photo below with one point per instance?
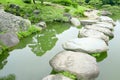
(27, 62)
(30, 58)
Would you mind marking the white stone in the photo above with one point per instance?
(105, 25)
(106, 19)
(88, 22)
(81, 64)
(101, 29)
(75, 21)
(56, 77)
(88, 45)
(92, 33)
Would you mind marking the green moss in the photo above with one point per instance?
(99, 56)
(65, 73)
(68, 74)
(33, 29)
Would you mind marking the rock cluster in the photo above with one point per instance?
(93, 38)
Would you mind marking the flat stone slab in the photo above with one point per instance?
(81, 64)
(106, 19)
(92, 33)
(88, 22)
(88, 45)
(101, 29)
(104, 25)
(56, 77)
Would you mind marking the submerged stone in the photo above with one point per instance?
(88, 45)
(92, 33)
(101, 29)
(81, 64)
(9, 39)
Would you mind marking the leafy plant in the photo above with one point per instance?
(68, 74)
(31, 30)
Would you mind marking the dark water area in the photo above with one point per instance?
(30, 58)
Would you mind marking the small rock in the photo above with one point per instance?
(36, 12)
(88, 45)
(101, 29)
(105, 13)
(81, 64)
(9, 39)
(88, 22)
(56, 77)
(41, 24)
(75, 21)
(14, 6)
(92, 33)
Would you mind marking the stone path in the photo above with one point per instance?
(76, 59)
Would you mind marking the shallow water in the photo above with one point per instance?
(27, 61)
(30, 59)
(109, 68)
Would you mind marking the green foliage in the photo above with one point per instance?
(100, 56)
(75, 5)
(115, 10)
(63, 2)
(67, 9)
(80, 11)
(68, 74)
(9, 77)
(30, 31)
(95, 3)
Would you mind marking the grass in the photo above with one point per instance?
(31, 30)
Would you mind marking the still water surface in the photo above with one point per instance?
(30, 59)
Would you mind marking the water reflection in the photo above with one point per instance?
(3, 59)
(9, 77)
(47, 39)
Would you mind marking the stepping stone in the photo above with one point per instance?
(88, 22)
(101, 29)
(92, 33)
(104, 25)
(106, 19)
(81, 64)
(88, 45)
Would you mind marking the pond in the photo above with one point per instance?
(27, 62)
(30, 58)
